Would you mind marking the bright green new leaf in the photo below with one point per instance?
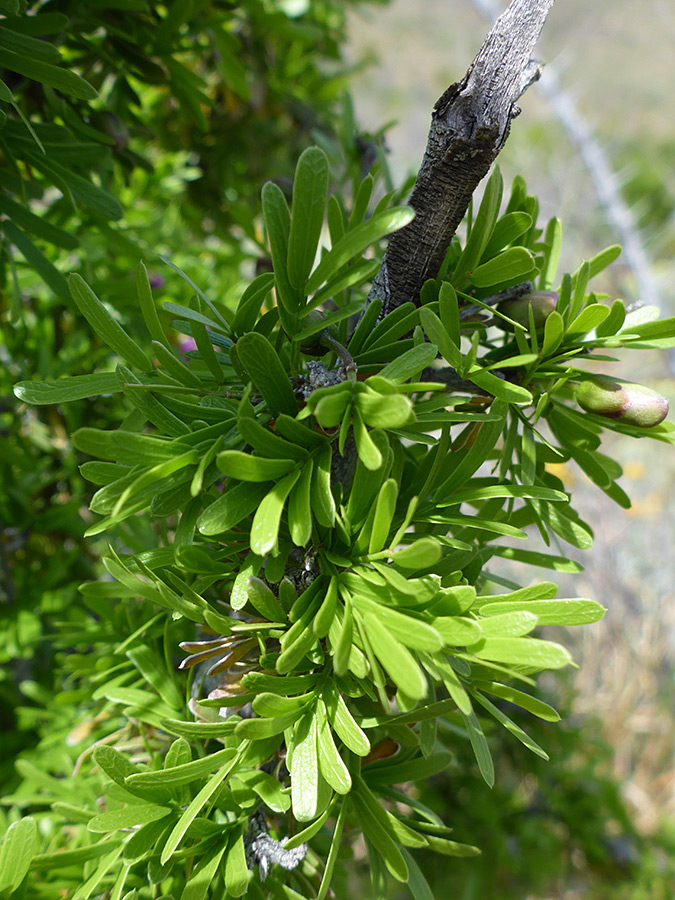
(304, 769)
(331, 763)
(421, 554)
(344, 725)
(506, 623)
(377, 829)
(552, 612)
(237, 873)
(529, 652)
(127, 817)
(299, 507)
(396, 660)
(385, 507)
(199, 882)
(498, 387)
(17, 849)
(263, 600)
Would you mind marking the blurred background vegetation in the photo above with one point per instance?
(133, 130)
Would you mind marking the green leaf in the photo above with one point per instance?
(323, 504)
(82, 191)
(331, 764)
(507, 623)
(383, 410)
(310, 188)
(278, 226)
(237, 873)
(263, 600)
(588, 319)
(246, 467)
(411, 632)
(199, 882)
(267, 373)
(17, 851)
(299, 507)
(480, 748)
(251, 302)
(385, 507)
(344, 725)
(529, 652)
(396, 660)
(355, 241)
(46, 73)
(511, 264)
(127, 817)
(457, 631)
(511, 726)
(230, 508)
(265, 526)
(183, 774)
(421, 554)
(45, 269)
(37, 225)
(105, 327)
(409, 363)
(526, 701)
(553, 333)
(440, 337)
(197, 803)
(552, 612)
(123, 446)
(377, 828)
(498, 387)
(304, 769)
(416, 769)
(509, 227)
(64, 390)
(481, 229)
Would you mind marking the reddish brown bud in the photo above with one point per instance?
(542, 302)
(632, 404)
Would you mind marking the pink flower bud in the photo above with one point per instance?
(632, 404)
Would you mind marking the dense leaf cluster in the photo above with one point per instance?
(332, 494)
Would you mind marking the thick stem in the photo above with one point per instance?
(469, 126)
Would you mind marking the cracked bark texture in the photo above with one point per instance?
(469, 126)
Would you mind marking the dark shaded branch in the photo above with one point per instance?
(469, 126)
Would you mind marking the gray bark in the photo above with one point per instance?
(469, 125)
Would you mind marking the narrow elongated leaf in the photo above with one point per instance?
(552, 612)
(45, 269)
(123, 446)
(519, 698)
(278, 226)
(305, 770)
(265, 527)
(196, 805)
(511, 726)
(127, 817)
(246, 467)
(106, 328)
(396, 660)
(525, 652)
(310, 188)
(498, 387)
(356, 240)
(480, 748)
(199, 882)
(45, 73)
(516, 262)
(230, 508)
(299, 507)
(16, 852)
(331, 763)
(264, 367)
(64, 390)
(440, 337)
(183, 774)
(378, 830)
(385, 506)
(237, 873)
(353, 737)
